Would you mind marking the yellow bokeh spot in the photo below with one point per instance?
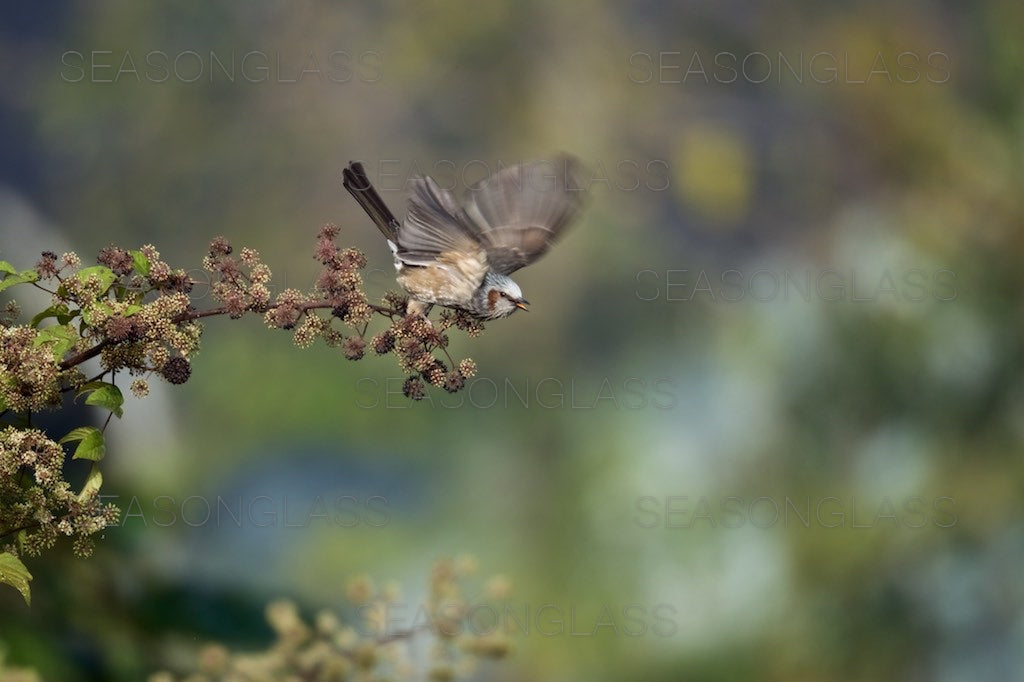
(713, 173)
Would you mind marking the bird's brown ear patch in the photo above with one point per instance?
(492, 298)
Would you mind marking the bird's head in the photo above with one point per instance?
(498, 296)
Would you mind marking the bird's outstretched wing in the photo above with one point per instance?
(520, 211)
(436, 227)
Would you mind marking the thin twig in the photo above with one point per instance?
(37, 285)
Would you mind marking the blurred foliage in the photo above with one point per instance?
(377, 645)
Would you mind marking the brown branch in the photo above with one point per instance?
(86, 354)
(189, 316)
(13, 531)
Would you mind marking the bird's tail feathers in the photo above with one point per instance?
(358, 184)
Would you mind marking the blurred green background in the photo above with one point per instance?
(763, 420)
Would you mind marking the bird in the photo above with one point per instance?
(459, 254)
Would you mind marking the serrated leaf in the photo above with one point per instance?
(104, 274)
(62, 336)
(141, 262)
(92, 483)
(14, 573)
(103, 394)
(90, 441)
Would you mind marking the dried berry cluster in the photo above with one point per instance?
(338, 289)
(133, 312)
(38, 504)
(155, 337)
(376, 645)
(415, 341)
(31, 375)
(240, 283)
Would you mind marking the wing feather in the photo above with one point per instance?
(520, 211)
(434, 225)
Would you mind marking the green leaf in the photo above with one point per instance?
(90, 441)
(141, 262)
(103, 394)
(58, 311)
(7, 267)
(22, 539)
(63, 337)
(12, 278)
(76, 434)
(92, 483)
(14, 573)
(104, 274)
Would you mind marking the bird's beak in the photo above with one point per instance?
(521, 304)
